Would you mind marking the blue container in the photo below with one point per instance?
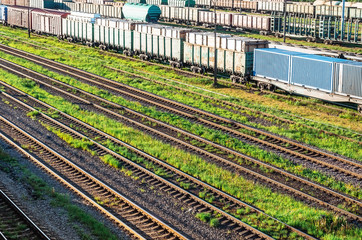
(348, 78)
(273, 63)
(3, 13)
(314, 71)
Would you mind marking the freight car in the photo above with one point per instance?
(326, 78)
(3, 14)
(243, 58)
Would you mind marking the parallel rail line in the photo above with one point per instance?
(97, 102)
(175, 177)
(231, 127)
(15, 223)
(192, 74)
(138, 222)
(233, 105)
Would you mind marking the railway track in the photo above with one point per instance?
(331, 198)
(174, 181)
(230, 105)
(225, 82)
(241, 131)
(14, 222)
(139, 223)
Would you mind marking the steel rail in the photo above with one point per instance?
(158, 162)
(192, 74)
(228, 162)
(206, 118)
(239, 107)
(78, 175)
(23, 217)
(220, 195)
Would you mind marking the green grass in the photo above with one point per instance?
(312, 137)
(212, 135)
(278, 205)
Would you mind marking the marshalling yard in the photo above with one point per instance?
(180, 119)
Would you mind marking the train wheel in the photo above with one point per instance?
(261, 86)
(359, 108)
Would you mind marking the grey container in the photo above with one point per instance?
(158, 46)
(273, 63)
(78, 30)
(314, 71)
(348, 79)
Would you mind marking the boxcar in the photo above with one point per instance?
(18, 16)
(47, 21)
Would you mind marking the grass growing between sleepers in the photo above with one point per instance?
(280, 206)
(252, 100)
(212, 135)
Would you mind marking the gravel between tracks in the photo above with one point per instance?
(155, 201)
(50, 218)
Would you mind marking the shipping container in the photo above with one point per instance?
(314, 71)
(3, 14)
(47, 21)
(273, 63)
(18, 16)
(348, 79)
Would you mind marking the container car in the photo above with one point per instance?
(47, 21)
(330, 79)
